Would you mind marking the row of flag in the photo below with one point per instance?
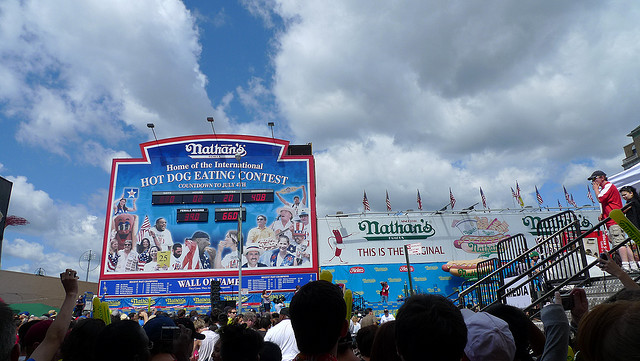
(514, 193)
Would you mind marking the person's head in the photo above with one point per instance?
(518, 325)
(488, 338)
(177, 250)
(270, 352)
(304, 216)
(264, 292)
(368, 310)
(386, 312)
(8, 348)
(598, 177)
(215, 355)
(122, 340)
(264, 323)
(327, 302)
(382, 349)
(232, 312)
(364, 339)
(240, 343)
(354, 318)
(296, 200)
(628, 193)
(81, 341)
(609, 332)
(249, 318)
(201, 239)
(252, 253)
(161, 331)
(122, 202)
(433, 323)
(261, 220)
(35, 335)
(113, 245)
(232, 237)
(283, 242)
(128, 245)
(161, 224)
(285, 214)
(145, 243)
(153, 252)
(534, 255)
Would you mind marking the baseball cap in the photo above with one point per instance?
(153, 327)
(488, 337)
(595, 174)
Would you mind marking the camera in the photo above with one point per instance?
(567, 302)
(169, 333)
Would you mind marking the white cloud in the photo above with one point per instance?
(92, 74)
(22, 249)
(64, 227)
(481, 95)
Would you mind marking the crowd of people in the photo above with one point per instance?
(315, 327)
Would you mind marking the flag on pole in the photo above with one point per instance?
(388, 201)
(365, 202)
(590, 196)
(513, 193)
(451, 198)
(519, 198)
(14, 221)
(566, 195)
(538, 196)
(573, 203)
(144, 230)
(559, 205)
(419, 201)
(484, 199)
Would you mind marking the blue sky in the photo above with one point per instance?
(393, 96)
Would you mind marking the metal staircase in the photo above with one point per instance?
(563, 265)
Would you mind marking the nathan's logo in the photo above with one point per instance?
(139, 301)
(176, 301)
(353, 270)
(395, 231)
(404, 268)
(197, 150)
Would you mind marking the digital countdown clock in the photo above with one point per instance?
(213, 197)
(192, 215)
(229, 214)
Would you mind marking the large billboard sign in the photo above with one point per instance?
(172, 221)
(364, 249)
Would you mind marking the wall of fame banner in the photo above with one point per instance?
(173, 214)
(363, 250)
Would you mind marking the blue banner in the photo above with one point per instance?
(201, 285)
(364, 280)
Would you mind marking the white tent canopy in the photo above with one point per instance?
(629, 177)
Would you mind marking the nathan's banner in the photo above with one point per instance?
(175, 214)
(459, 240)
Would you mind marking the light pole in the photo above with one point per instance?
(240, 242)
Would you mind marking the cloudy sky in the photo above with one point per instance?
(393, 95)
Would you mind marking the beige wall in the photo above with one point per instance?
(17, 287)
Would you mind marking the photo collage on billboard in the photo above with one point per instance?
(176, 211)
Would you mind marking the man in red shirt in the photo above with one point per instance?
(610, 199)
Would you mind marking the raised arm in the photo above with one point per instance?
(282, 199)
(58, 329)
